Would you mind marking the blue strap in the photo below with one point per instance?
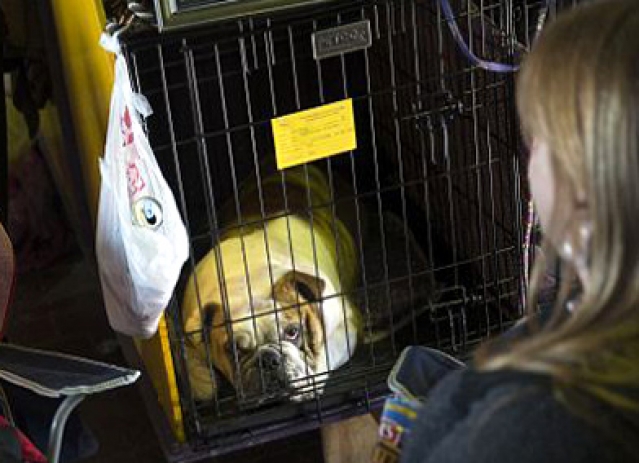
(457, 35)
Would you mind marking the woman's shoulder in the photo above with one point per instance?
(504, 416)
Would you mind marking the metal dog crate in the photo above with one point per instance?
(437, 172)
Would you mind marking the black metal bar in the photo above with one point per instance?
(239, 386)
(322, 99)
(400, 169)
(477, 156)
(203, 158)
(331, 184)
(378, 195)
(181, 193)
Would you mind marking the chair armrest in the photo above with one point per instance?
(52, 374)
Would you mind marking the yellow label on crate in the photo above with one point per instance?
(313, 134)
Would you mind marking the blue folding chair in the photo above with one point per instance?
(45, 373)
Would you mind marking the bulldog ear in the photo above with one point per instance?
(308, 286)
(314, 338)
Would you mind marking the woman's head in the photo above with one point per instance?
(578, 101)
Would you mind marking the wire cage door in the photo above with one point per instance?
(416, 231)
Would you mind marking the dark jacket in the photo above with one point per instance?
(473, 417)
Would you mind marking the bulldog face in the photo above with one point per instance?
(276, 344)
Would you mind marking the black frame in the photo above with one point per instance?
(176, 14)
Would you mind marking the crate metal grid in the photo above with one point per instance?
(442, 153)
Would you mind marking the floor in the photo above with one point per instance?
(60, 308)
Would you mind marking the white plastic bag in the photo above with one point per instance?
(141, 241)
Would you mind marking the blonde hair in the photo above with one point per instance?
(578, 91)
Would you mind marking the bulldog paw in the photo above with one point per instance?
(305, 389)
(202, 381)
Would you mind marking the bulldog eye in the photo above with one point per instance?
(228, 347)
(231, 348)
(291, 332)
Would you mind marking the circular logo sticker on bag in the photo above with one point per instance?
(147, 212)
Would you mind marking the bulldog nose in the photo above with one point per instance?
(270, 359)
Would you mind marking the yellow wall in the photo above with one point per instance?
(88, 73)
